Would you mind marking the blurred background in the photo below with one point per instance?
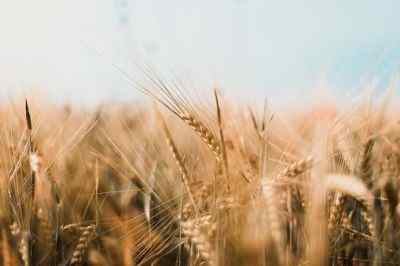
(251, 48)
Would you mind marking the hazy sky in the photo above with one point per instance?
(253, 47)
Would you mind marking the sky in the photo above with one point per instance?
(74, 50)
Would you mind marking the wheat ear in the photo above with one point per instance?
(24, 248)
(80, 249)
(194, 229)
(351, 186)
(296, 168)
(205, 134)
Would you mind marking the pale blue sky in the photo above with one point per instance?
(253, 48)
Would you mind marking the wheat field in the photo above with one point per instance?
(186, 181)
